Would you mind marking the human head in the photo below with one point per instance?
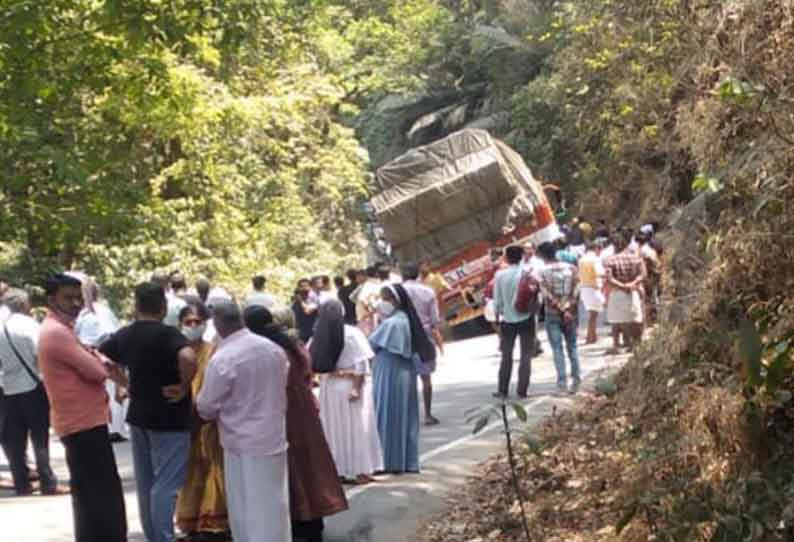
(642, 238)
(178, 281)
(90, 291)
(593, 246)
(257, 318)
(529, 250)
(361, 276)
(193, 320)
(258, 282)
(514, 254)
(561, 243)
(351, 275)
(161, 277)
(317, 283)
(304, 287)
(387, 294)
(410, 271)
(384, 271)
(227, 317)
(339, 282)
(203, 288)
(622, 241)
(547, 252)
(325, 282)
(150, 300)
(17, 300)
(372, 272)
(64, 295)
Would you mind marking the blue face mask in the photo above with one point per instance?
(385, 309)
(195, 333)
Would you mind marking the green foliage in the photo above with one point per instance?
(199, 135)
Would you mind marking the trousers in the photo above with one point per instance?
(28, 418)
(525, 332)
(97, 496)
(160, 459)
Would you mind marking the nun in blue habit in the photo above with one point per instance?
(397, 342)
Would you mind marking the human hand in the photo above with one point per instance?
(174, 393)
(355, 395)
(121, 394)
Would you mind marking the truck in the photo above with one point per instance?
(452, 206)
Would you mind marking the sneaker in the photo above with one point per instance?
(574, 387)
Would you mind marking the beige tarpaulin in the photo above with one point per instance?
(438, 199)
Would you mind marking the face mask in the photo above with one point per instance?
(194, 334)
(385, 309)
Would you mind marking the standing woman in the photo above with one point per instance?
(342, 353)
(315, 491)
(399, 342)
(201, 506)
(96, 323)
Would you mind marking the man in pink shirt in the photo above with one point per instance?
(74, 378)
(245, 390)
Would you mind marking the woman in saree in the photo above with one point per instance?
(315, 491)
(399, 342)
(201, 506)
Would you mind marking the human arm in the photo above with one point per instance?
(216, 387)
(86, 363)
(187, 365)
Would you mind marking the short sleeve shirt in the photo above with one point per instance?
(150, 351)
(356, 352)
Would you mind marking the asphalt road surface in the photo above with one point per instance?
(392, 509)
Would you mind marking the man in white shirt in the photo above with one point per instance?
(258, 296)
(27, 408)
(245, 390)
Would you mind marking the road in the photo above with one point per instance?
(390, 510)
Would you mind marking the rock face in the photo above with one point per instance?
(499, 62)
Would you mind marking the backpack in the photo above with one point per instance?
(526, 301)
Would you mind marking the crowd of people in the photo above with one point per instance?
(244, 419)
(615, 273)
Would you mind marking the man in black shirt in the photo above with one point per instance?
(161, 365)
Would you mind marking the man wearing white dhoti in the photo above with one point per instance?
(245, 391)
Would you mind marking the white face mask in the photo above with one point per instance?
(385, 309)
(194, 334)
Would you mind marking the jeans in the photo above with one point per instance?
(554, 330)
(525, 331)
(97, 496)
(28, 417)
(160, 459)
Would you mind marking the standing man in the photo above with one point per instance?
(625, 273)
(426, 305)
(559, 282)
(26, 404)
(513, 324)
(591, 274)
(344, 292)
(305, 310)
(245, 390)
(258, 296)
(161, 365)
(75, 381)
(174, 303)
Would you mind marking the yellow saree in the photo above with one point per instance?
(201, 505)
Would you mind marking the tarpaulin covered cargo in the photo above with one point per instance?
(438, 199)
